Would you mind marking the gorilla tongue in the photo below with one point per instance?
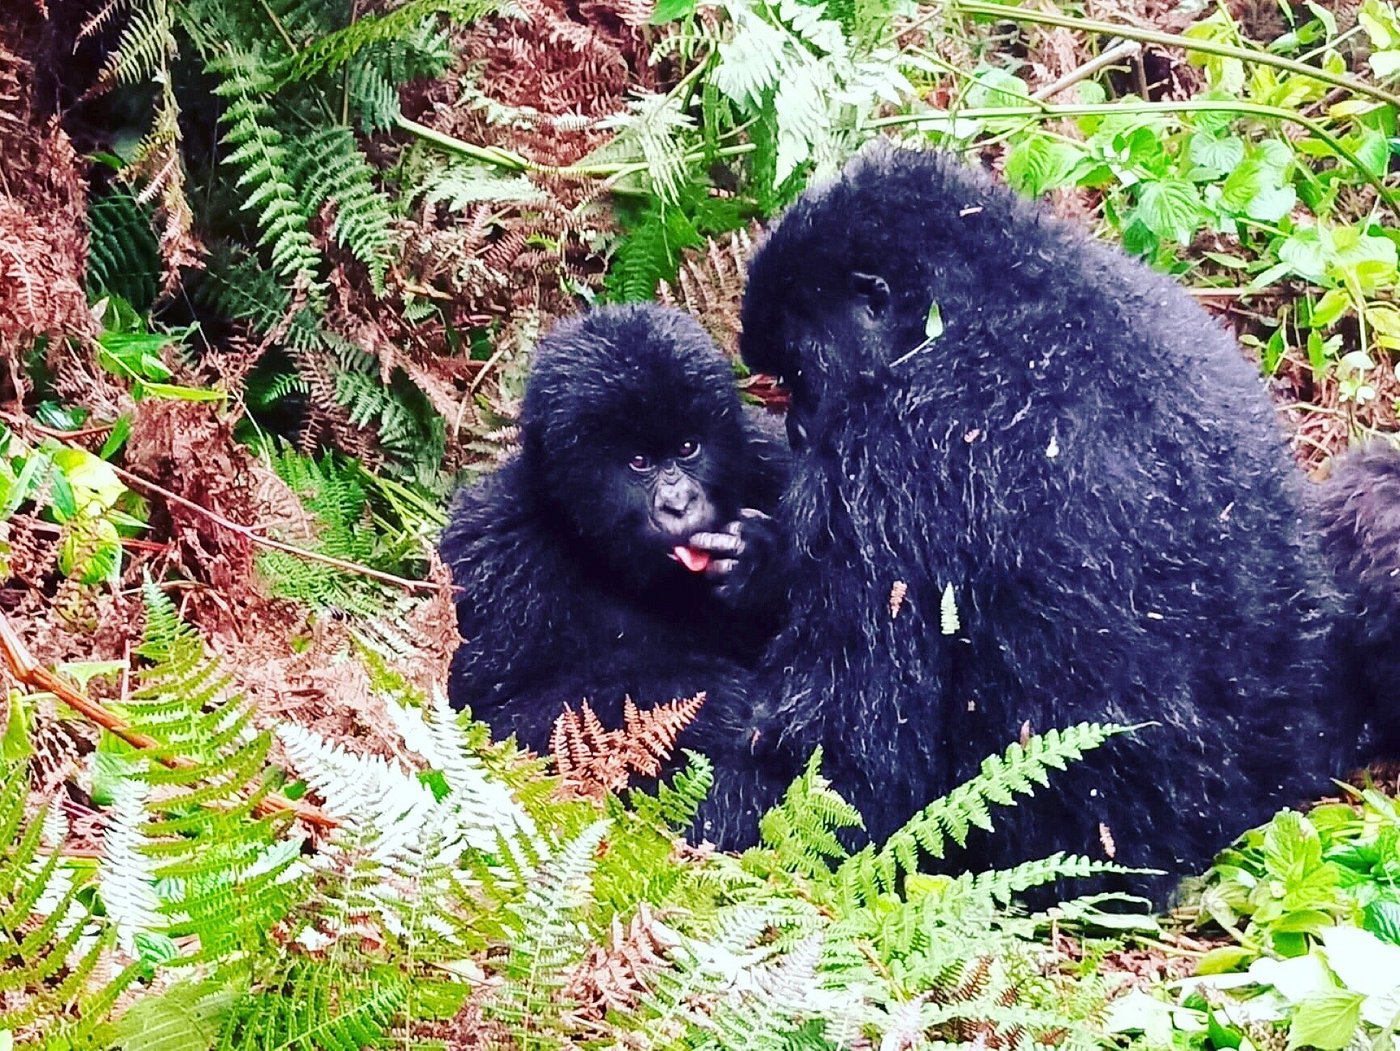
(693, 559)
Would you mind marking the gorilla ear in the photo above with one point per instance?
(872, 290)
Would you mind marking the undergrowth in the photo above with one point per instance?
(285, 300)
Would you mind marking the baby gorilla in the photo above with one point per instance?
(621, 553)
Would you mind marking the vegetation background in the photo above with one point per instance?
(270, 273)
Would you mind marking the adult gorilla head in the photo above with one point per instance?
(633, 436)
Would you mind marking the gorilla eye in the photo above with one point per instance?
(640, 463)
(688, 449)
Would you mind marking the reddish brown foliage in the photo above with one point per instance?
(594, 760)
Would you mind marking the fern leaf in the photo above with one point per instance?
(258, 150)
(1014, 773)
(801, 828)
(332, 168)
(127, 877)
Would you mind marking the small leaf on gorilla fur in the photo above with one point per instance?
(933, 325)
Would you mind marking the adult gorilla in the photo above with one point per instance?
(1089, 464)
(622, 552)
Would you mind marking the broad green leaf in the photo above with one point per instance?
(1224, 959)
(1382, 918)
(670, 10)
(1333, 304)
(1305, 254)
(1038, 164)
(1218, 155)
(1171, 209)
(88, 473)
(1326, 1021)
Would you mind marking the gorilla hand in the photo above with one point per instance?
(744, 559)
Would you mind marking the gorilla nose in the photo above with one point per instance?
(675, 505)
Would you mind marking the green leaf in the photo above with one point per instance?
(1218, 155)
(1326, 1021)
(670, 10)
(15, 744)
(1222, 1035)
(1271, 204)
(933, 324)
(1305, 254)
(1333, 304)
(1038, 164)
(1171, 209)
(1224, 958)
(1382, 918)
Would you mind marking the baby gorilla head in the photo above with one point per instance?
(632, 433)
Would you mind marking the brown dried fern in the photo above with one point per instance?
(594, 761)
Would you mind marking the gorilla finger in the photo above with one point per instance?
(720, 568)
(754, 514)
(718, 543)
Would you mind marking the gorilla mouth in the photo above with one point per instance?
(693, 559)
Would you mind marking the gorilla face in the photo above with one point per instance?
(634, 437)
(826, 344)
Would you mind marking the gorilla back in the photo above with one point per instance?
(634, 445)
(1085, 458)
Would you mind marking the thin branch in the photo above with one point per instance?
(1118, 52)
(1152, 36)
(31, 673)
(1045, 110)
(137, 482)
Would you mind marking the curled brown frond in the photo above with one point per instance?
(594, 760)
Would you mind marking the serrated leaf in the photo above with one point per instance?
(1171, 208)
(1382, 918)
(948, 612)
(1219, 155)
(1325, 1021)
(1039, 164)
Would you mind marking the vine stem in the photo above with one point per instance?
(1053, 110)
(31, 673)
(1153, 36)
(137, 482)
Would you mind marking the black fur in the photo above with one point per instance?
(566, 593)
(1084, 456)
(1359, 513)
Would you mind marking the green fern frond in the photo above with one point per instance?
(649, 251)
(334, 50)
(51, 943)
(229, 875)
(550, 938)
(332, 168)
(123, 254)
(146, 45)
(1002, 885)
(1016, 772)
(319, 1006)
(463, 183)
(676, 804)
(801, 830)
(258, 151)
